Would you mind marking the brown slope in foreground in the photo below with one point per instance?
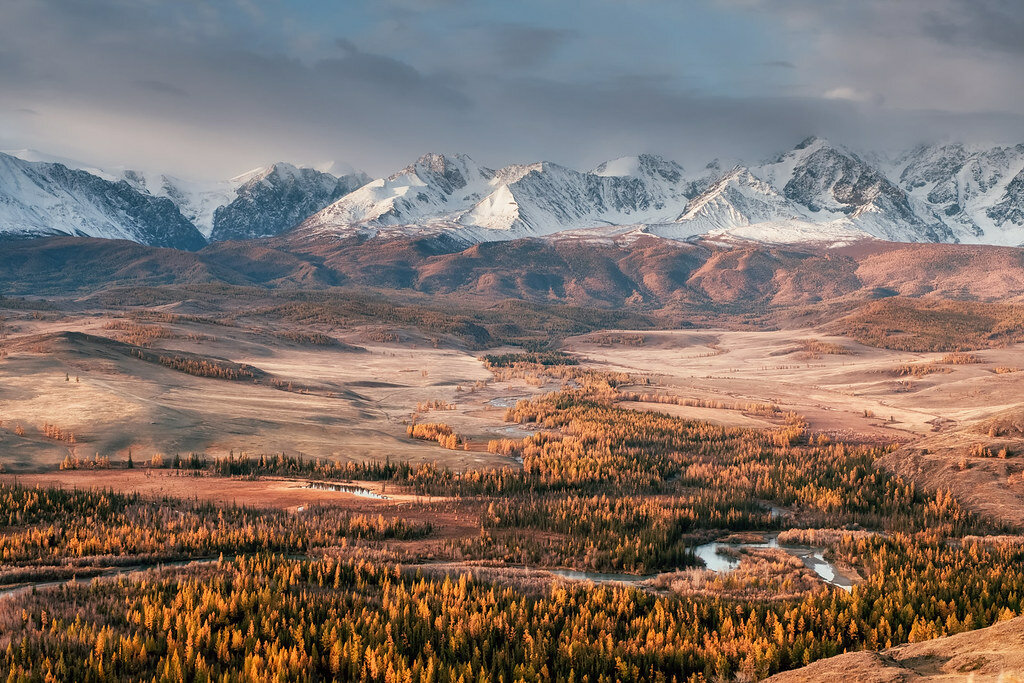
(995, 653)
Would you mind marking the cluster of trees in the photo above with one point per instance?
(752, 407)
(816, 348)
(434, 404)
(284, 465)
(522, 366)
(982, 451)
(200, 367)
(635, 534)
(435, 431)
(54, 432)
(624, 338)
(508, 360)
(308, 338)
(960, 359)
(74, 462)
(139, 335)
(53, 525)
(919, 369)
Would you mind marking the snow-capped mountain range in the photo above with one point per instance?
(42, 195)
(816, 192)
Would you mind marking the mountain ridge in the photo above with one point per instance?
(642, 273)
(816, 192)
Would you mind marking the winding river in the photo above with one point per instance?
(812, 557)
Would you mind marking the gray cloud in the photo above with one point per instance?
(208, 88)
(523, 46)
(160, 87)
(980, 24)
(386, 74)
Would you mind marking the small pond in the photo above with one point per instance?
(346, 488)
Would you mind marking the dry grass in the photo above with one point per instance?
(357, 407)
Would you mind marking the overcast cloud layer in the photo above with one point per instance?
(213, 88)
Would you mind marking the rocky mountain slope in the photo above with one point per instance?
(277, 198)
(977, 192)
(196, 200)
(41, 198)
(832, 184)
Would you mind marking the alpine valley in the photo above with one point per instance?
(638, 423)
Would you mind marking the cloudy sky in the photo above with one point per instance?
(212, 88)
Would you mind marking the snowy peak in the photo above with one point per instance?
(815, 183)
(832, 183)
(664, 180)
(822, 177)
(738, 199)
(452, 192)
(542, 198)
(275, 199)
(447, 174)
(423, 192)
(642, 166)
(42, 198)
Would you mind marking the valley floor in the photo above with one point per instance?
(709, 470)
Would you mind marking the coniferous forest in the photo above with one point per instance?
(234, 593)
